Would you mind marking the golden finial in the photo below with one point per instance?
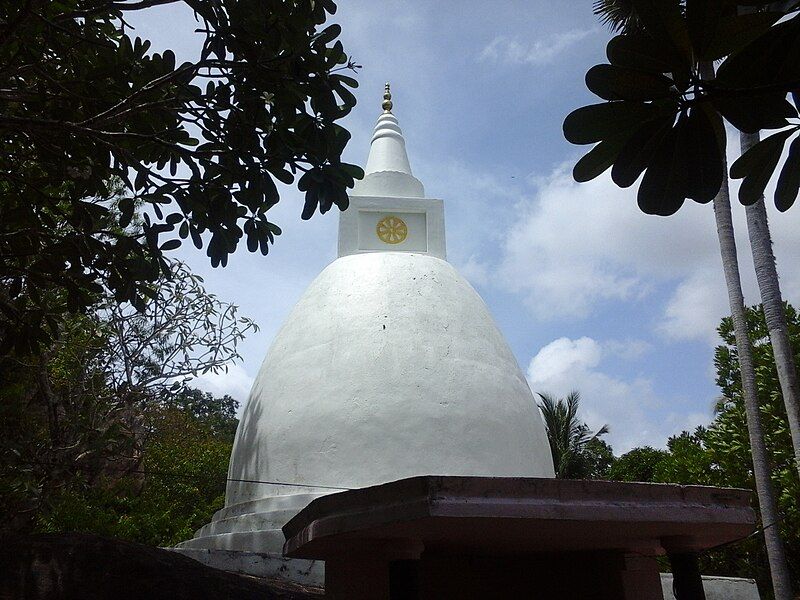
(387, 99)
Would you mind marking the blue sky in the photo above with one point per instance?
(591, 294)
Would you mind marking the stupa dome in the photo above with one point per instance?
(389, 366)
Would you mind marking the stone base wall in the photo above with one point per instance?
(312, 573)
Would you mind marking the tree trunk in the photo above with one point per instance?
(769, 286)
(779, 571)
(776, 555)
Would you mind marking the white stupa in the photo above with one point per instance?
(390, 366)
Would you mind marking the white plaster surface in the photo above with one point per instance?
(393, 184)
(423, 216)
(389, 366)
(388, 170)
(717, 588)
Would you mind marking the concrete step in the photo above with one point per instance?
(274, 519)
(262, 505)
(269, 540)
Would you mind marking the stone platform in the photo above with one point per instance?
(252, 526)
(462, 537)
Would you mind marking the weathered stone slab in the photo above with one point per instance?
(718, 588)
(257, 564)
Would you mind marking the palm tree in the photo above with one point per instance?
(568, 436)
(774, 310)
(620, 15)
(779, 570)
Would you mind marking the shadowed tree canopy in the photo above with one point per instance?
(89, 408)
(660, 117)
(94, 123)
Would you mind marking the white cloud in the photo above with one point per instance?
(626, 349)
(577, 247)
(695, 306)
(236, 382)
(634, 412)
(508, 50)
(475, 271)
(556, 361)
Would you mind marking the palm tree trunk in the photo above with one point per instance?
(779, 571)
(776, 555)
(769, 286)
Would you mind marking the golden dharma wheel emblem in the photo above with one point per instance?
(391, 230)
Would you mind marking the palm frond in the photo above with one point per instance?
(617, 15)
(566, 433)
(620, 15)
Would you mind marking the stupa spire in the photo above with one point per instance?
(388, 170)
(387, 99)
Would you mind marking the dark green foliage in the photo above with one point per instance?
(686, 461)
(200, 144)
(80, 421)
(640, 464)
(598, 456)
(663, 114)
(177, 488)
(577, 453)
(217, 414)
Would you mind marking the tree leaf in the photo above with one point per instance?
(637, 152)
(640, 51)
(789, 180)
(612, 82)
(663, 186)
(126, 210)
(596, 122)
(705, 159)
(170, 245)
(197, 240)
(310, 204)
(770, 60)
(702, 19)
(757, 165)
(735, 32)
(662, 19)
(174, 218)
(328, 34)
(751, 113)
(597, 160)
